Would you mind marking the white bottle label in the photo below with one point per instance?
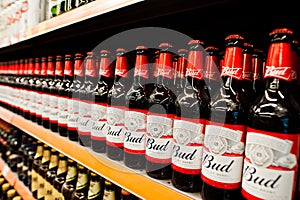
(223, 155)
(54, 109)
(39, 106)
(270, 165)
(85, 121)
(46, 106)
(32, 102)
(159, 142)
(135, 132)
(115, 128)
(63, 111)
(99, 125)
(74, 114)
(188, 140)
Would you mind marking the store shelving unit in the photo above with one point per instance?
(79, 30)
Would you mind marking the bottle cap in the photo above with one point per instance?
(192, 42)
(182, 51)
(125, 192)
(104, 51)
(5, 186)
(211, 48)
(78, 54)
(121, 50)
(107, 182)
(247, 44)
(281, 30)
(141, 47)
(11, 193)
(234, 36)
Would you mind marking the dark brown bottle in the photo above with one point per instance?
(212, 74)
(38, 88)
(30, 154)
(222, 153)
(54, 87)
(43, 168)
(65, 96)
(272, 142)
(136, 113)
(46, 92)
(60, 177)
(189, 124)
(257, 69)
(13, 144)
(20, 81)
(74, 91)
(50, 174)
(35, 168)
(85, 122)
(82, 185)
(33, 92)
(29, 69)
(100, 93)
(96, 187)
(116, 107)
(161, 110)
(69, 185)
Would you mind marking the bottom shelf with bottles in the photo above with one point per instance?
(137, 182)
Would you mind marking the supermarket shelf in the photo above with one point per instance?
(133, 180)
(13, 180)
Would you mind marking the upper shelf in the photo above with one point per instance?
(135, 181)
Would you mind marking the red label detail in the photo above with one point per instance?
(195, 65)
(284, 73)
(186, 171)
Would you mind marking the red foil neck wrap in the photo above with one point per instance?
(182, 62)
(196, 60)
(141, 64)
(279, 62)
(37, 66)
(211, 64)
(90, 65)
(44, 66)
(59, 66)
(50, 66)
(78, 65)
(105, 64)
(257, 64)
(69, 68)
(122, 65)
(247, 62)
(233, 62)
(30, 69)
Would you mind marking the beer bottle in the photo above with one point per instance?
(69, 185)
(60, 177)
(35, 168)
(116, 107)
(34, 94)
(189, 123)
(82, 185)
(212, 74)
(26, 84)
(43, 167)
(96, 187)
(73, 105)
(109, 190)
(54, 87)
(65, 96)
(272, 143)
(50, 174)
(227, 119)
(21, 81)
(85, 96)
(14, 143)
(257, 69)
(46, 92)
(100, 93)
(161, 110)
(38, 89)
(135, 113)
(179, 67)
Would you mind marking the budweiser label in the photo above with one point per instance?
(85, 122)
(135, 132)
(63, 111)
(73, 106)
(159, 142)
(270, 165)
(115, 128)
(232, 72)
(188, 140)
(284, 73)
(233, 63)
(54, 109)
(195, 73)
(223, 155)
(99, 125)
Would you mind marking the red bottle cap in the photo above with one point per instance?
(247, 62)
(281, 30)
(90, 65)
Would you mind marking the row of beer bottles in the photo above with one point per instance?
(8, 191)
(229, 106)
(50, 174)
